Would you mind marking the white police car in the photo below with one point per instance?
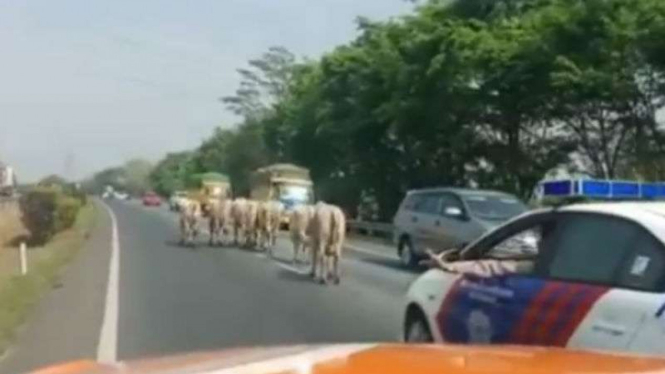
(590, 276)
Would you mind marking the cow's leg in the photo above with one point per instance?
(330, 261)
(224, 234)
(212, 229)
(260, 239)
(295, 250)
(187, 236)
(322, 267)
(182, 233)
(314, 257)
(267, 243)
(195, 233)
(336, 267)
(305, 245)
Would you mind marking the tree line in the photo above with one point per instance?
(488, 93)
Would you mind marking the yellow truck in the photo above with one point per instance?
(205, 186)
(287, 183)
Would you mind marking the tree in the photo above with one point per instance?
(53, 180)
(488, 93)
(170, 174)
(263, 83)
(137, 176)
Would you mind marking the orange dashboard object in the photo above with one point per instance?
(382, 359)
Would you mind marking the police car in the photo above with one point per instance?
(586, 276)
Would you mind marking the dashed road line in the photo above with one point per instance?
(355, 248)
(292, 268)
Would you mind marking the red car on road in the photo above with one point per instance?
(151, 199)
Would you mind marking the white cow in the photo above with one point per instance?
(220, 220)
(327, 235)
(300, 219)
(249, 225)
(190, 215)
(269, 218)
(238, 208)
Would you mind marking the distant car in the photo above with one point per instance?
(151, 199)
(588, 276)
(444, 218)
(121, 195)
(176, 199)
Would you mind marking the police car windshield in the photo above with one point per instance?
(494, 207)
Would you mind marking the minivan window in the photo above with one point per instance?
(450, 201)
(412, 202)
(429, 203)
(494, 207)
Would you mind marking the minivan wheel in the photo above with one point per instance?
(406, 255)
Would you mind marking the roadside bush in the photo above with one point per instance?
(47, 211)
(38, 213)
(66, 210)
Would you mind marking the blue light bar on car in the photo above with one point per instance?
(592, 188)
(558, 188)
(603, 189)
(650, 190)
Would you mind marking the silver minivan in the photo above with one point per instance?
(445, 218)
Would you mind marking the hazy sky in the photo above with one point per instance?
(101, 82)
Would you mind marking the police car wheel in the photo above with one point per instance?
(417, 331)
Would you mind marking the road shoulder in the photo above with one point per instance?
(65, 323)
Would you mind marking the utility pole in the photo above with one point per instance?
(70, 164)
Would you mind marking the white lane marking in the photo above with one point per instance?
(355, 248)
(292, 269)
(301, 363)
(107, 348)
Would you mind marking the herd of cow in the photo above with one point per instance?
(319, 229)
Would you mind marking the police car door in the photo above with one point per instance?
(604, 274)
(499, 308)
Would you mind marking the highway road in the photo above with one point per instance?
(171, 299)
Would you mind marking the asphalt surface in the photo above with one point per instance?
(174, 299)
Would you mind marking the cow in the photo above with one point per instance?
(219, 219)
(327, 234)
(249, 225)
(336, 244)
(300, 219)
(262, 223)
(190, 214)
(269, 218)
(238, 207)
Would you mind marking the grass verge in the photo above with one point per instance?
(18, 294)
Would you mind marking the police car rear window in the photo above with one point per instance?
(644, 267)
(591, 248)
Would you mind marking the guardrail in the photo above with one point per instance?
(378, 229)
